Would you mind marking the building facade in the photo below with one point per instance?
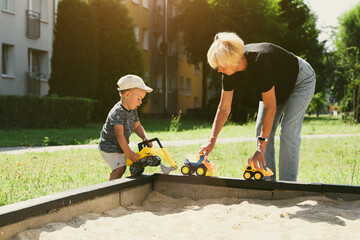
(176, 83)
(26, 36)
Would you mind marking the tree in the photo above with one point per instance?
(347, 81)
(301, 37)
(200, 20)
(119, 53)
(75, 56)
(199, 23)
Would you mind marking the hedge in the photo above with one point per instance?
(44, 112)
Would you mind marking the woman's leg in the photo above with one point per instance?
(291, 124)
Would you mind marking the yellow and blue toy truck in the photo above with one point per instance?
(202, 166)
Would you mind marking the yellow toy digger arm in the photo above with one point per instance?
(145, 151)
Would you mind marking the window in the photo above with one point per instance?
(145, 3)
(188, 87)
(159, 39)
(40, 7)
(7, 60)
(182, 51)
(158, 82)
(181, 86)
(196, 69)
(172, 83)
(136, 30)
(38, 65)
(196, 102)
(172, 48)
(145, 42)
(7, 5)
(135, 1)
(160, 6)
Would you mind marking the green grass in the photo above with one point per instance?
(189, 129)
(27, 176)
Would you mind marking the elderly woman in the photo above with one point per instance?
(283, 84)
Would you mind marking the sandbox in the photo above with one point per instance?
(188, 207)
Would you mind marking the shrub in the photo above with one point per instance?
(44, 112)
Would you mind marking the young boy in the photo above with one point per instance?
(121, 120)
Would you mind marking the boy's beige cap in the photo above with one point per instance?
(132, 81)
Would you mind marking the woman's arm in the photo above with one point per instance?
(221, 116)
(269, 101)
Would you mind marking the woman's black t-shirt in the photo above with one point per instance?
(268, 65)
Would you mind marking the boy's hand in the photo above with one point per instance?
(149, 143)
(134, 157)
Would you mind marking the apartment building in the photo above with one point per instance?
(176, 83)
(26, 35)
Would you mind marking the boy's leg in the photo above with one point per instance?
(117, 173)
(117, 163)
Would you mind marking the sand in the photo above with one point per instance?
(163, 217)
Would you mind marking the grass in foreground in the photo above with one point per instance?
(31, 175)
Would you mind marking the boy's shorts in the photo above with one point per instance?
(114, 160)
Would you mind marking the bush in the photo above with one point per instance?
(44, 112)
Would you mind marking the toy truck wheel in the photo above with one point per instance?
(201, 171)
(153, 161)
(185, 170)
(136, 169)
(258, 176)
(247, 175)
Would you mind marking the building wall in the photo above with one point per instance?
(189, 95)
(13, 29)
(140, 13)
(148, 18)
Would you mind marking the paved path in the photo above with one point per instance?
(183, 142)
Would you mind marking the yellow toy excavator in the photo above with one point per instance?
(251, 171)
(151, 157)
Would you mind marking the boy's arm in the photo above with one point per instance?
(140, 131)
(119, 133)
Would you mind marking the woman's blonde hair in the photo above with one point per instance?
(227, 49)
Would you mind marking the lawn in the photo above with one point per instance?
(189, 129)
(322, 160)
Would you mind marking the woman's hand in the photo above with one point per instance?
(207, 148)
(258, 159)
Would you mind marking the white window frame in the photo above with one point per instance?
(145, 39)
(188, 87)
(7, 60)
(158, 82)
(135, 1)
(145, 4)
(137, 33)
(8, 6)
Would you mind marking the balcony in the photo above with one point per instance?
(33, 24)
(34, 83)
